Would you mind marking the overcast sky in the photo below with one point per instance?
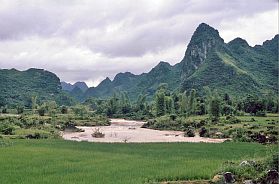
(90, 40)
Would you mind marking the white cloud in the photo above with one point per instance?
(255, 29)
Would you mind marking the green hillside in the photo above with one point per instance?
(17, 87)
(234, 68)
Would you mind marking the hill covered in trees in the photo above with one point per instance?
(234, 68)
(18, 87)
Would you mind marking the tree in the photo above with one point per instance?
(227, 99)
(5, 109)
(51, 107)
(125, 103)
(208, 98)
(214, 105)
(253, 105)
(215, 108)
(112, 106)
(141, 103)
(42, 110)
(169, 105)
(80, 110)
(176, 105)
(64, 109)
(200, 107)
(192, 102)
(19, 109)
(160, 103)
(183, 103)
(34, 103)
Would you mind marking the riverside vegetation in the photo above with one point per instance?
(218, 90)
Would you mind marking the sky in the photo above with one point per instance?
(89, 40)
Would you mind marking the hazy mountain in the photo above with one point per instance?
(69, 87)
(234, 68)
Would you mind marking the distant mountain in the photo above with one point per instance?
(234, 68)
(17, 87)
(81, 85)
(69, 87)
(146, 83)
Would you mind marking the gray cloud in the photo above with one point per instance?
(89, 40)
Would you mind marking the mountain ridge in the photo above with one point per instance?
(232, 68)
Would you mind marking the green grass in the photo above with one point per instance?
(58, 161)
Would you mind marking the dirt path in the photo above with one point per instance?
(122, 130)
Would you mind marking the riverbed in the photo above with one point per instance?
(122, 130)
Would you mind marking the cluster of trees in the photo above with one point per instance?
(163, 103)
(182, 104)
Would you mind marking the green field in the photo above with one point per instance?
(58, 161)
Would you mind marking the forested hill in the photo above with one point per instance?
(234, 68)
(18, 87)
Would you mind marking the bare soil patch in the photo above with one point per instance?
(122, 130)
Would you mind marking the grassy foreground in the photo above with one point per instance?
(58, 161)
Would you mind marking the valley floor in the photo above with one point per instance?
(122, 130)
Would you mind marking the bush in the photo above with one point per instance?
(261, 113)
(97, 133)
(20, 109)
(8, 130)
(203, 132)
(5, 110)
(173, 117)
(37, 136)
(232, 119)
(42, 111)
(64, 109)
(190, 132)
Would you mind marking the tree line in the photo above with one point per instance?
(184, 104)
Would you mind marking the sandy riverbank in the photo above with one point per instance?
(122, 130)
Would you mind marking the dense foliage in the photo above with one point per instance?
(18, 87)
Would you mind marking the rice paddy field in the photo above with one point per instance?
(59, 161)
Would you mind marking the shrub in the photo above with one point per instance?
(232, 119)
(97, 133)
(8, 130)
(261, 113)
(252, 120)
(190, 132)
(203, 132)
(173, 117)
(64, 109)
(42, 111)
(20, 109)
(37, 135)
(5, 110)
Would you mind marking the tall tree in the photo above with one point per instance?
(34, 103)
(215, 106)
(183, 103)
(192, 102)
(160, 103)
